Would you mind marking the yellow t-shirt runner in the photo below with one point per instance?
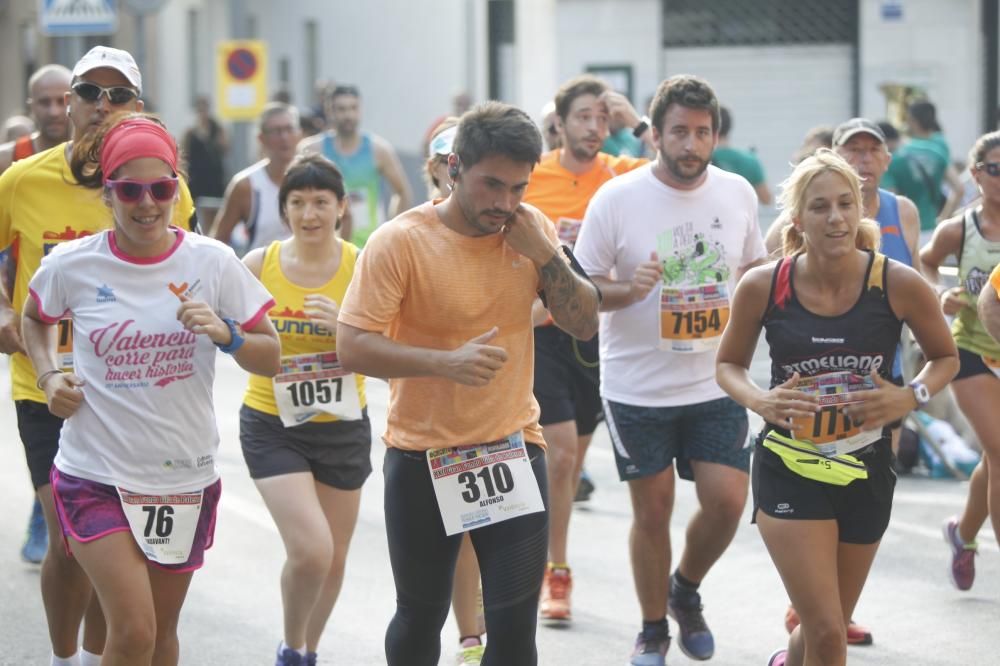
(299, 335)
(41, 206)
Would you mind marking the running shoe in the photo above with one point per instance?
(685, 607)
(311, 659)
(585, 488)
(650, 650)
(36, 541)
(963, 556)
(557, 588)
(856, 634)
(777, 658)
(288, 657)
(471, 655)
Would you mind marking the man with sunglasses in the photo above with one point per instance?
(41, 206)
(252, 194)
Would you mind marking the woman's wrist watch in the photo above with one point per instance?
(921, 393)
(237, 337)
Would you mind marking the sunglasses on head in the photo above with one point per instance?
(116, 95)
(992, 168)
(131, 191)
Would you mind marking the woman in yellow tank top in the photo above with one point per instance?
(305, 433)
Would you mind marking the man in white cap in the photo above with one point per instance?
(40, 207)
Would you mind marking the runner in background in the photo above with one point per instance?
(47, 90)
(461, 379)
(567, 374)
(832, 309)
(305, 434)
(135, 480)
(365, 159)
(973, 238)
(744, 162)
(252, 194)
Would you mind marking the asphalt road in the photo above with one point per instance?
(233, 613)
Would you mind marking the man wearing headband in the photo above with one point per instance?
(40, 207)
(566, 370)
(252, 194)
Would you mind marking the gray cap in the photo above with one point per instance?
(845, 131)
(105, 56)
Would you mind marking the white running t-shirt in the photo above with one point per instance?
(703, 238)
(147, 420)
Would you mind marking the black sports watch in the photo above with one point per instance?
(641, 128)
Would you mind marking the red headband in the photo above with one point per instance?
(135, 138)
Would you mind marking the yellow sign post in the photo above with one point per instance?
(241, 78)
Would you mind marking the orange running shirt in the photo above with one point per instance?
(421, 284)
(563, 195)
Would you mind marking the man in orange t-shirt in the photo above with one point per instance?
(567, 375)
(441, 305)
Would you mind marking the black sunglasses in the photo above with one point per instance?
(117, 95)
(992, 168)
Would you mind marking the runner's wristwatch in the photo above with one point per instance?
(641, 128)
(921, 393)
(237, 334)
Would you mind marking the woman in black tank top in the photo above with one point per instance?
(822, 477)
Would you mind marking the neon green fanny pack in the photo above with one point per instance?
(805, 460)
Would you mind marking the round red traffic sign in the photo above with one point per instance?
(242, 64)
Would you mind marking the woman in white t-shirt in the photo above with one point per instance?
(135, 480)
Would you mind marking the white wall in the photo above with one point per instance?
(936, 45)
(408, 58)
(610, 32)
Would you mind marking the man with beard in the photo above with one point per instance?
(364, 159)
(441, 305)
(666, 244)
(566, 370)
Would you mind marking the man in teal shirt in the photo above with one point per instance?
(742, 162)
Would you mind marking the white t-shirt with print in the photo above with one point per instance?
(702, 236)
(147, 421)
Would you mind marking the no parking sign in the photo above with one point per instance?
(242, 79)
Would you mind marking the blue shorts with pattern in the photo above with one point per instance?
(648, 440)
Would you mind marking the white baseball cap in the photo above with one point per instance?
(105, 56)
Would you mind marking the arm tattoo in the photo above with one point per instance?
(572, 300)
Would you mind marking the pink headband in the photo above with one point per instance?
(135, 138)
